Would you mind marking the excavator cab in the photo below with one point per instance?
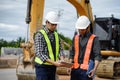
(108, 31)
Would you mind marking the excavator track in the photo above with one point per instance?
(109, 68)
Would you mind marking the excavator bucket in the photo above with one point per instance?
(25, 70)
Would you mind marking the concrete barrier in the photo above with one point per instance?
(9, 57)
(11, 51)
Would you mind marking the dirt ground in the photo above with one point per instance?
(66, 77)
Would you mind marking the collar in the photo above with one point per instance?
(47, 30)
(87, 34)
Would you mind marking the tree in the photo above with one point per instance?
(16, 44)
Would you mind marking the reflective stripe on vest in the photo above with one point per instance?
(86, 55)
(37, 60)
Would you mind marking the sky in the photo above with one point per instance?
(13, 14)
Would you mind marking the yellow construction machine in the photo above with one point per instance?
(35, 10)
(108, 31)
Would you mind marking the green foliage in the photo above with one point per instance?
(67, 40)
(16, 44)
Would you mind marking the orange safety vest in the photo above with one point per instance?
(87, 53)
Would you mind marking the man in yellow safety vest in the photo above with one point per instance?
(48, 49)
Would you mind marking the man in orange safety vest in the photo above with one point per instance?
(85, 48)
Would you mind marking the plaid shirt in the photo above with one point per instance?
(41, 49)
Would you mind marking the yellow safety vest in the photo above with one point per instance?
(37, 59)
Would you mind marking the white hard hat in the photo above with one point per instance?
(82, 22)
(52, 17)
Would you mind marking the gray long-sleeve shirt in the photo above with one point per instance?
(95, 52)
(41, 49)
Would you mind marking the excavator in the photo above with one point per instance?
(108, 29)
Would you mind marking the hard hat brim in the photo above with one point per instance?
(81, 28)
(54, 22)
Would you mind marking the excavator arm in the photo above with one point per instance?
(25, 66)
(34, 18)
(83, 7)
(37, 11)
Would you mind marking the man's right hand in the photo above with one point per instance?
(58, 64)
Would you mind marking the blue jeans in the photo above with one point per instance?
(45, 72)
(79, 74)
